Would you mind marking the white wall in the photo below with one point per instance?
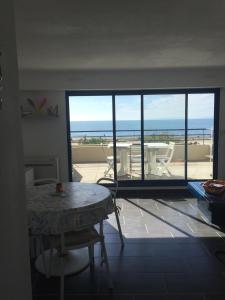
(152, 79)
(46, 136)
(14, 256)
(122, 79)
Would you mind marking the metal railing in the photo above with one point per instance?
(156, 135)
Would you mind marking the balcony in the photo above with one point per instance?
(89, 157)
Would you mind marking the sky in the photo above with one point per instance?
(156, 107)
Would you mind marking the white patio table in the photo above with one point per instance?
(123, 151)
(153, 148)
(81, 206)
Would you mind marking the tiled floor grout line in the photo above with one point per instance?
(146, 227)
(188, 225)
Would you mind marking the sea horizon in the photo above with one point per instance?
(133, 127)
(139, 120)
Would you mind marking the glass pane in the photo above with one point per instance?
(128, 137)
(164, 136)
(200, 135)
(91, 134)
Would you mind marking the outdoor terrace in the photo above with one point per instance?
(91, 151)
(90, 161)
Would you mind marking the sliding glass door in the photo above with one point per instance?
(91, 134)
(200, 143)
(144, 137)
(164, 136)
(128, 136)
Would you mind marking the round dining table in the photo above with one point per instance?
(79, 206)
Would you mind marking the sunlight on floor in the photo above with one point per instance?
(157, 218)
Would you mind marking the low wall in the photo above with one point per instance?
(90, 153)
(195, 152)
(98, 153)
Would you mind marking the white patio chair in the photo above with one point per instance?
(77, 240)
(210, 155)
(135, 159)
(165, 159)
(113, 190)
(110, 161)
(41, 162)
(42, 181)
(44, 165)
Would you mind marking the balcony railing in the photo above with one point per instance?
(156, 135)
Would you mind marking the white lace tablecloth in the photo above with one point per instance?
(84, 205)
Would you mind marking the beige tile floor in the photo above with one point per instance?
(91, 172)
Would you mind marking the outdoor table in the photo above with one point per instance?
(123, 150)
(81, 206)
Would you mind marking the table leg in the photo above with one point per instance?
(74, 262)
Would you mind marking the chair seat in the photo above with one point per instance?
(161, 157)
(110, 158)
(77, 238)
(137, 159)
(43, 181)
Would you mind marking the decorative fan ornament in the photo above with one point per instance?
(38, 108)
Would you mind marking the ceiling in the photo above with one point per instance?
(119, 34)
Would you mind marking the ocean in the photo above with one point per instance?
(133, 127)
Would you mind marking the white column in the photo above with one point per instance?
(14, 256)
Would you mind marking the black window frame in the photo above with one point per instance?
(148, 182)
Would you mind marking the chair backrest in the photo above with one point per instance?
(46, 168)
(113, 187)
(170, 151)
(107, 155)
(135, 151)
(103, 150)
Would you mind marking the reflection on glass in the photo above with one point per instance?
(164, 136)
(91, 137)
(128, 137)
(200, 136)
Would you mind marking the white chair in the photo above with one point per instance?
(110, 161)
(46, 168)
(39, 165)
(165, 159)
(77, 240)
(113, 190)
(136, 160)
(42, 181)
(210, 155)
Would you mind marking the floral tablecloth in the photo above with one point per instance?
(82, 205)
